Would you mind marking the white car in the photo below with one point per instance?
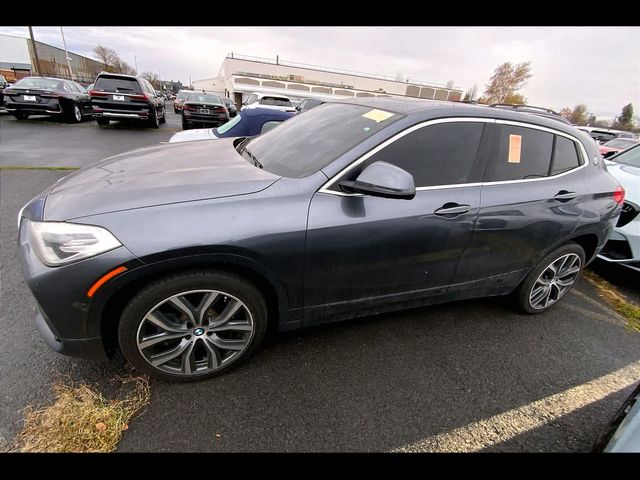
(268, 100)
(623, 246)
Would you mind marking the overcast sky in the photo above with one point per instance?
(598, 66)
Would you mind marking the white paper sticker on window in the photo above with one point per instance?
(515, 147)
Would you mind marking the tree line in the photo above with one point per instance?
(509, 78)
(114, 64)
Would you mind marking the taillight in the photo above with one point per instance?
(618, 195)
(50, 95)
(138, 97)
(189, 108)
(95, 93)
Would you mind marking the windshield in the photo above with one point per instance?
(203, 98)
(620, 143)
(182, 95)
(307, 143)
(224, 128)
(277, 101)
(628, 157)
(43, 83)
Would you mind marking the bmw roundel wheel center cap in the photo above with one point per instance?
(198, 331)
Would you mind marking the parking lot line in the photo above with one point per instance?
(504, 426)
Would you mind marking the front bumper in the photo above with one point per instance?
(69, 321)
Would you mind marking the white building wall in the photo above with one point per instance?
(14, 50)
(210, 84)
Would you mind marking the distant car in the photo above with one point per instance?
(233, 111)
(308, 104)
(246, 124)
(201, 108)
(623, 432)
(47, 96)
(623, 247)
(267, 100)
(3, 85)
(616, 145)
(603, 135)
(179, 100)
(126, 97)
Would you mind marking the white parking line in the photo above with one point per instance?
(507, 425)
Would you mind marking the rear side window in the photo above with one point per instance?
(565, 156)
(116, 84)
(441, 154)
(521, 153)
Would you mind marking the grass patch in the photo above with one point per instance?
(20, 167)
(81, 419)
(619, 303)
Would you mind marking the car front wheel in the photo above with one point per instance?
(193, 325)
(551, 279)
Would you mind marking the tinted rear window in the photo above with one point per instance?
(277, 101)
(182, 95)
(116, 84)
(204, 98)
(565, 155)
(40, 83)
(307, 143)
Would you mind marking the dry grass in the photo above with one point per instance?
(620, 304)
(81, 419)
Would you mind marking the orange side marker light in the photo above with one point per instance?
(104, 279)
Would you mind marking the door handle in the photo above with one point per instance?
(564, 196)
(452, 209)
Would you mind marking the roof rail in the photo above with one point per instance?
(545, 112)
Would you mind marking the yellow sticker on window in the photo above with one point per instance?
(377, 115)
(515, 148)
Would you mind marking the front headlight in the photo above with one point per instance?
(60, 243)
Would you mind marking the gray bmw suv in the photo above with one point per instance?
(182, 255)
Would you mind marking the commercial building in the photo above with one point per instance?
(241, 75)
(17, 60)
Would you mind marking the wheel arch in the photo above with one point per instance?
(107, 310)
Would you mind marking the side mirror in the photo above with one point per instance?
(381, 179)
(609, 154)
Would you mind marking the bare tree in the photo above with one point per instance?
(470, 95)
(579, 115)
(107, 56)
(507, 79)
(152, 78)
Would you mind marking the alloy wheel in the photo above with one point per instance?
(555, 281)
(77, 113)
(195, 332)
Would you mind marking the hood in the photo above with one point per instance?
(157, 175)
(195, 134)
(629, 178)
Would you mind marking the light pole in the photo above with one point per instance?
(67, 55)
(35, 52)
(135, 61)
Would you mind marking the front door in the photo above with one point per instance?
(363, 251)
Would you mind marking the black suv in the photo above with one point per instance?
(126, 97)
(183, 254)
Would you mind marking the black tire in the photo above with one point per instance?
(523, 292)
(154, 121)
(21, 115)
(163, 119)
(103, 122)
(175, 110)
(71, 113)
(156, 292)
(185, 124)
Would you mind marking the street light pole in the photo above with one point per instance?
(67, 54)
(135, 60)
(35, 52)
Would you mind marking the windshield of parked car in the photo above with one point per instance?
(204, 98)
(225, 127)
(41, 83)
(628, 157)
(620, 143)
(307, 143)
(277, 101)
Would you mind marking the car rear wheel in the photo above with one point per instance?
(154, 121)
(103, 122)
(73, 113)
(193, 325)
(551, 279)
(163, 119)
(21, 115)
(185, 124)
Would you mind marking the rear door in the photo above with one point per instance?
(532, 197)
(364, 251)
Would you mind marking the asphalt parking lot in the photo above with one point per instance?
(470, 375)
